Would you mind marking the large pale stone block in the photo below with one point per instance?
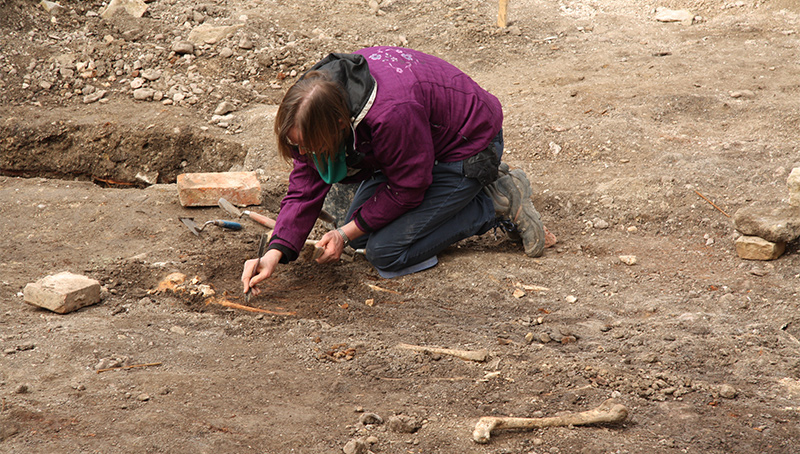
(205, 189)
(755, 248)
(779, 224)
(63, 292)
(793, 182)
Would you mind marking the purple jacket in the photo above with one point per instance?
(409, 109)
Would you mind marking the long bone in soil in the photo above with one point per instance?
(608, 412)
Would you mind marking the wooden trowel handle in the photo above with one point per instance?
(261, 219)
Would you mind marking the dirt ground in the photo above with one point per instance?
(640, 138)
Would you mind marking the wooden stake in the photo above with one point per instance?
(712, 204)
(502, 14)
(233, 305)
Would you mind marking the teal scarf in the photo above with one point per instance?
(332, 170)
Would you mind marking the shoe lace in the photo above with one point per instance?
(505, 225)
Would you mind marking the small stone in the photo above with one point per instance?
(569, 339)
(137, 82)
(355, 446)
(403, 424)
(226, 52)
(529, 338)
(668, 15)
(183, 47)
(370, 418)
(108, 363)
(246, 44)
(747, 94)
(144, 397)
(143, 94)
(544, 338)
(52, 7)
(178, 330)
(94, 97)
(135, 8)
(224, 108)
(629, 260)
(22, 389)
(571, 299)
(600, 224)
(151, 74)
(727, 391)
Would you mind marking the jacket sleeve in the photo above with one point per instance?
(299, 209)
(403, 147)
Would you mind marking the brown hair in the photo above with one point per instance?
(316, 107)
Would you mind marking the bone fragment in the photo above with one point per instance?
(469, 355)
(608, 412)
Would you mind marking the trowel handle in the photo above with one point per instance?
(261, 219)
(228, 224)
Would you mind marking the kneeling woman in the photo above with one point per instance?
(423, 140)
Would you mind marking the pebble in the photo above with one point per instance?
(94, 97)
(355, 446)
(183, 47)
(151, 74)
(143, 94)
(403, 424)
(370, 418)
(137, 82)
(600, 224)
(144, 397)
(747, 94)
(22, 389)
(226, 52)
(629, 260)
(571, 299)
(727, 391)
(224, 108)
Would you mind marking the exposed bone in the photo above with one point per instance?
(608, 412)
(469, 355)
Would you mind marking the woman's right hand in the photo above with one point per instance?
(257, 270)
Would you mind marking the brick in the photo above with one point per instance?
(63, 292)
(755, 248)
(205, 189)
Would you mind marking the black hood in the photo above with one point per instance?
(352, 72)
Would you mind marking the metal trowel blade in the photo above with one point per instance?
(191, 224)
(227, 206)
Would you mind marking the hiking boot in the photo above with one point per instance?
(511, 195)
